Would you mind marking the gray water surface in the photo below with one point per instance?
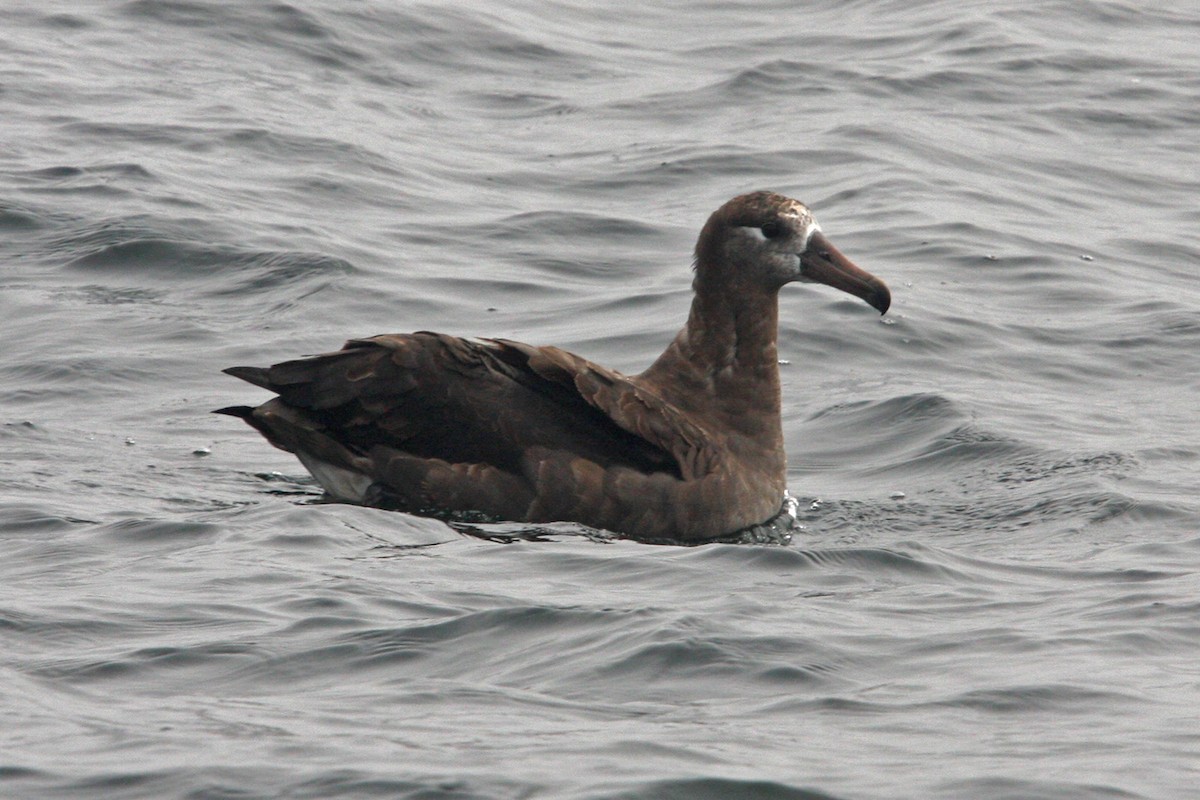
(996, 593)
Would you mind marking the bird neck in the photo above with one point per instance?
(725, 361)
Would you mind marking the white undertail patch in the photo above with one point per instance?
(341, 483)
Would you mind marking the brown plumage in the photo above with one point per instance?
(690, 449)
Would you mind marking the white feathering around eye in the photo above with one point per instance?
(799, 214)
(812, 227)
(755, 231)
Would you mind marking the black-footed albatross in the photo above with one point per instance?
(689, 450)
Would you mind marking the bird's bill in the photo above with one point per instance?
(823, 263)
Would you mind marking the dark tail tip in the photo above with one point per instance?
(256, 375)
(241, 412)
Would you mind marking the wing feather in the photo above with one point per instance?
(633, 408)
(483, 401)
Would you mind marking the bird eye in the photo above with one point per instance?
(771, 229)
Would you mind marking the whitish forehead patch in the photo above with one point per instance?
(804, 218)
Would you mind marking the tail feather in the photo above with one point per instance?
(247, 414)
(259, 376)
(241, 412)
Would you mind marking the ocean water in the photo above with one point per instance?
(996, 592)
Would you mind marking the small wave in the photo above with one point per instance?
(30, 519)
(13, 218)
(1004, 788)
(1053, 699)
(278, 25)
(152, 531)
(713, 789)
(144, 248)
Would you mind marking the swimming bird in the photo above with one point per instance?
(689, 450)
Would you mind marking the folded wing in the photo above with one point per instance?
(430, 422)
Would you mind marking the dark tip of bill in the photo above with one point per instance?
(881, 299)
